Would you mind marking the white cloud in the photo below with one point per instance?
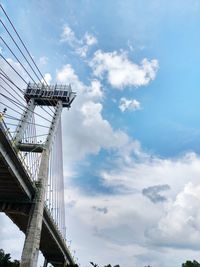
(68, 35)
(145, 231)
(43, 60)
(90, 39)
(89, 131)
(82, 51)
(47, 78)
(118, 229)
(130, 46)
(180, 226)
(12, 238)
(130, 104)
(121, 71)
(150, 170)
(67, 75)
(80, 45)
(96, 89)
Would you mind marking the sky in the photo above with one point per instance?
(131, 140)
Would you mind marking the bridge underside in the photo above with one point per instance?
(48, 246)
(16, 199)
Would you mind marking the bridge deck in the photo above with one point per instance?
(16, 196)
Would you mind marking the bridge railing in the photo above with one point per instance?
(20, 154)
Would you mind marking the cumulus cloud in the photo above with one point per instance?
(95, 90)
(120, 71)
(89, 132)
(129, 104)
(80, 45)
(47, 78)
(82, 51)
(68, 35)
(129, 226)
(180, 226)
(175, 172)
(67, 75)
(90, 39)
(153, 192)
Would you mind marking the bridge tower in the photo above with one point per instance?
(58, 97)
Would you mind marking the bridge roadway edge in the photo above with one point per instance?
(16, 197)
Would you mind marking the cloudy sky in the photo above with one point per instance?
(132, 137)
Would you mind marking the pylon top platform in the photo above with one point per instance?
(49, 95)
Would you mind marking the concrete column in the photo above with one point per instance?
(32, 242)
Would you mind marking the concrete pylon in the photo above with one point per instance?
(32, 242)
(41, 95)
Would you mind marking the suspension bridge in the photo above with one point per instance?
(31, 162)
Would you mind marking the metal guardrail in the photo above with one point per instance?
(11, 140)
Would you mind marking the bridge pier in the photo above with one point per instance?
(32, 242)
(38, 214)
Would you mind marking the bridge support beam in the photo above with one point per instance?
(32, 242)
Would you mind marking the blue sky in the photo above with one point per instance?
(167, 32)
(133, 128)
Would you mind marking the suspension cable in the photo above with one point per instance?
(12, 89)
(19, 48)
(9, 92)
(17, 60)
(14, 69)
(8, 79)
(23, 46)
